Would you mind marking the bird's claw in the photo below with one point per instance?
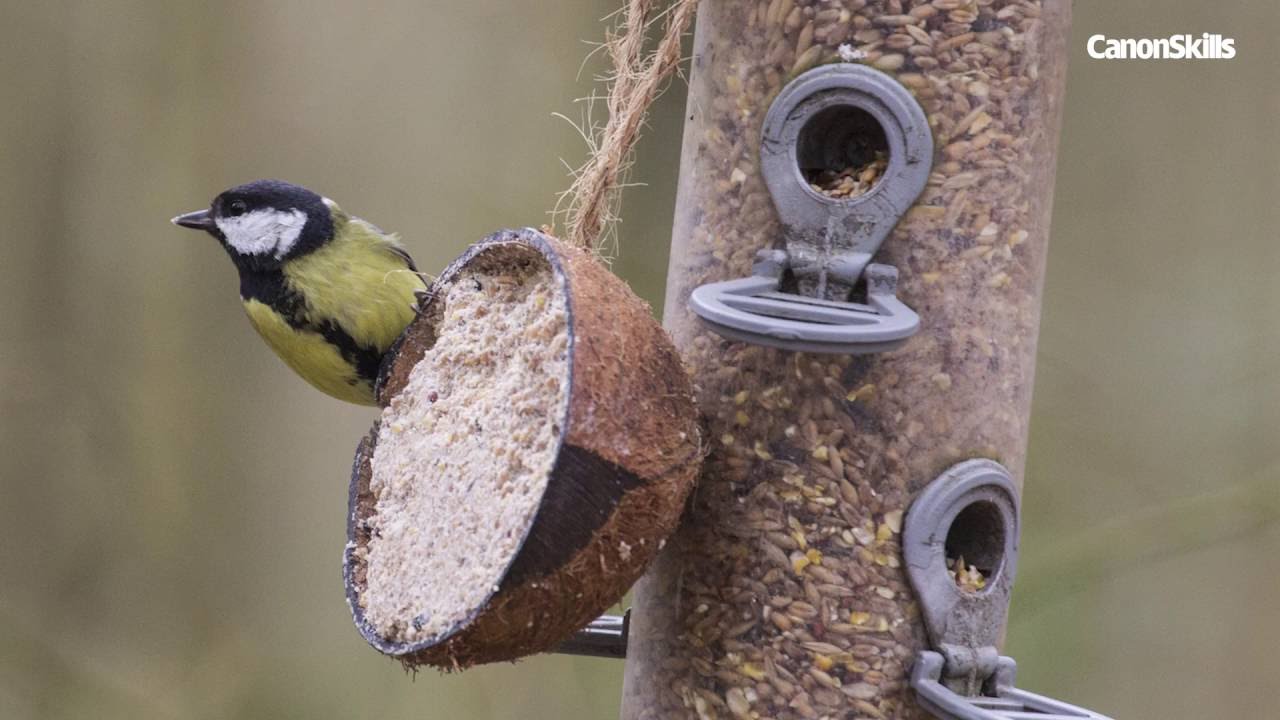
(423, 297)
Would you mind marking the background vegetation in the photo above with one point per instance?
(172, 498)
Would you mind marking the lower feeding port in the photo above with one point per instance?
(960, 542)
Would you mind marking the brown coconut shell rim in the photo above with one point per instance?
(527, 238)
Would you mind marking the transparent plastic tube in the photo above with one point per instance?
(783, 594)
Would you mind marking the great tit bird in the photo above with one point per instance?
(327, 291)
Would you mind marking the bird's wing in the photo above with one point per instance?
(391, 242)
(403, 255)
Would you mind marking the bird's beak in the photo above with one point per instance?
(198, 220)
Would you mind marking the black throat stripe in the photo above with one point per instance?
(271, 289)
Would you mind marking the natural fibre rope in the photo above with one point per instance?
(635, 82)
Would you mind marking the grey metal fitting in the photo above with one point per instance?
(829, 242)
(969, 511)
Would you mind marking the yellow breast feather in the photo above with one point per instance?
(308, 354)
(361, 281)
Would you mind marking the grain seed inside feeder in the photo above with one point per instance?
(536, 445)
(969, 578)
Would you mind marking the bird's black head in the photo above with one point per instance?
(264, 223)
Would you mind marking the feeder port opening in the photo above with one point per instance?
(842, 152)
(975, 545)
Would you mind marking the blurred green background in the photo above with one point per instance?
(172, 507)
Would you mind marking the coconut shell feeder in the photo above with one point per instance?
(454, 558)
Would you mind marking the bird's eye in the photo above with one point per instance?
(237, 207)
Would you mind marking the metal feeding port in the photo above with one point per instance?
(845, 152)
(960, 543)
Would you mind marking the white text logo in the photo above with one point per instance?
(1176, 47)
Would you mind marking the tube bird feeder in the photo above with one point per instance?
(853, 337)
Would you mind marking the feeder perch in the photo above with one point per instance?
(605, 637)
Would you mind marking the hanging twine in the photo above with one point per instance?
(635, 82)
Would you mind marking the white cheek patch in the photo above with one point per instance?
(263, 231)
